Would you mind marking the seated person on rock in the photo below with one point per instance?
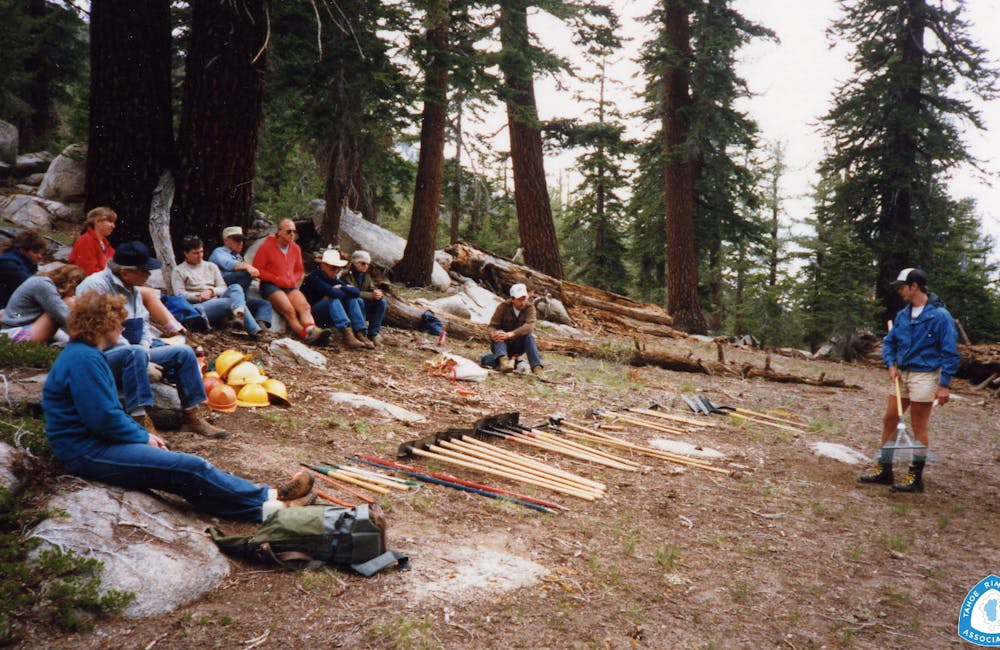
(358, 275)
(39, 308)
(19, 262)
(511, 331)
(279, 261)
(135, 360)
(96, 440)
(202, 284)
(236, 270)
(335, 304)
(91, 252)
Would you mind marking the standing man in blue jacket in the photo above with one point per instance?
(921, 349)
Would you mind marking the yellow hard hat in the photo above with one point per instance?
(225, 361)
(222, 398)
(252, 395)
(277, 392)
(244, 372)
(213, 373)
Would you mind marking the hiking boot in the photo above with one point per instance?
(505, 364)
(914, 481)
(299, 486)
(197, 425)
(374, 341)
(880, 473)
(538, 371)
(351, 339)
(146, 423)
(361, 336)
(196, 324)
(307, 500)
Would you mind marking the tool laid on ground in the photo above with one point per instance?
(542, 440)
(652, 411)
(322, 475)
(391, 482)
(447, 480)
(461, 447)
(593, 435)
(639, 422)
(707, 406)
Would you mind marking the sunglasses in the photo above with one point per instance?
(290, 231)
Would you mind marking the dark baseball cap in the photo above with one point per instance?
(135, 255)
(909, 276)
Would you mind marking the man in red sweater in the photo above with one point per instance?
(279, 260)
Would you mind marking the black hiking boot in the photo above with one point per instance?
(880, 473)
(914, 481)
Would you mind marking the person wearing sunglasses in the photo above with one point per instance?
(279, 262)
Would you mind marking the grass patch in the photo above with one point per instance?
(629, 540)
(405, 633)
(901, 509)
(19, 428)
(281, 420)
(739, 591)
(667, 556)
(896, 542)
(31, 355)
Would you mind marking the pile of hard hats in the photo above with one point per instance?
(238, 381)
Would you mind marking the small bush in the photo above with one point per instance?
(32, 355)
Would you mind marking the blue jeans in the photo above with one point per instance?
(137, 466)
(242, 278)
(374, 313)
(521, 345)
(128, 364)
(218, 309)
(330, 311)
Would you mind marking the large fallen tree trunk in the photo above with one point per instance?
(499, 274)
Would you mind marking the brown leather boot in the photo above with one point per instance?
(361, 336)
(351, 341)
(299, 486)
(505, 364)
(203, 428)
(146, 423)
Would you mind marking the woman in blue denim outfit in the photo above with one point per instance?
(94, 438)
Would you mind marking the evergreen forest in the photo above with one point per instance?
(377, 107)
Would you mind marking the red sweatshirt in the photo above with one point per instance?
(89, 254)
(282, 269)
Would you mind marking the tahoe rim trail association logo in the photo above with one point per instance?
(979, 618)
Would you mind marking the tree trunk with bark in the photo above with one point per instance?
(414, 269)
(220, 118)
(130, 134)
(531, 196)
(679, 170)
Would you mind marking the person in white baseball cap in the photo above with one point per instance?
(512, 331)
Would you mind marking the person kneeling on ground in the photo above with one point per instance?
(511, 331)
(371, 301)
(335, 304)
(95, 439)
(202, 284)
(136, 361)
(39, 308)
(279, 261)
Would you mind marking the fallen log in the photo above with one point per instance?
(499, 274)
(406, 315)
(750, 371)
(680, 363)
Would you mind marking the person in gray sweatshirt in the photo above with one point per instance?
(39, 308)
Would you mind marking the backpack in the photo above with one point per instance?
(307, 537)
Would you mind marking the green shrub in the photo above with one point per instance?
(32, 355)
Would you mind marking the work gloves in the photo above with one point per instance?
(154, 371)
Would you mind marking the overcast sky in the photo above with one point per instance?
(793, 81)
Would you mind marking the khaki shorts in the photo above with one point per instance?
(919, 386)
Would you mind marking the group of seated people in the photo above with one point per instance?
(37, 306)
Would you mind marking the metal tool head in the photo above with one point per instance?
(706, 405)
(904, 440)
(556, 419)
(691, 404)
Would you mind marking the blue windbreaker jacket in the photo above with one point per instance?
(923, 344)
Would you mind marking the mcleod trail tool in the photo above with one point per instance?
(447, 480)
(732, 411)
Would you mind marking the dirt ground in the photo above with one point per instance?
(787, 552)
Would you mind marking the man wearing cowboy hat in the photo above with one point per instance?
(331, 299)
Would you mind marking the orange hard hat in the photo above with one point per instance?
(222, 398)
(211, 382)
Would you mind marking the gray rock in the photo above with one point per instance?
(290, 352)
(11, 468)
(26, 211)
(64, 180)
(33, 180)
(8, 143)
(32, 163)
(166, 413)
(147, 547)
(6, 169)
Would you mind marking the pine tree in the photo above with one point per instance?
(895, 125)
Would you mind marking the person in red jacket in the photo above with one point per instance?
(279, 261)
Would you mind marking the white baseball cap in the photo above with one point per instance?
(332, 257)
(518, 291)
